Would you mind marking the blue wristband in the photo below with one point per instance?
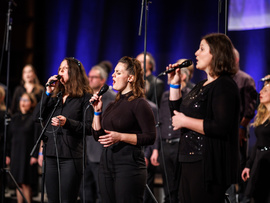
(48, 94)
(175, 86)
(97, 113)
(40, 153)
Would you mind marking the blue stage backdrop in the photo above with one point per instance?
(93, 31)
(96, 30)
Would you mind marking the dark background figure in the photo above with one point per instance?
(123, 129)
(248, 99)
(208, 117)
(170, 142)
(22, 135)
(97, 77)
(151, 169)
(30, 84)
(154, 82)
(256, 172)
(64, 149)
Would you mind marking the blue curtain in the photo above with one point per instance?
(96, 30)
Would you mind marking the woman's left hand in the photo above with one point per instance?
(33, 160)
(178, 120)
(110, 138)
(59, 120)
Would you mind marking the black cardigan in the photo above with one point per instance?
(220, 152)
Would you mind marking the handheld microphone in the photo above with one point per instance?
(53, 81)
(186, 63)
(103, 89)
(265, 79)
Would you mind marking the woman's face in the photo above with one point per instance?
(265, 94)
(28, 74)
(120, 78)
(25, 103)
(63, 72)
(203, 56)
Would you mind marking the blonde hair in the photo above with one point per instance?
(262, 110)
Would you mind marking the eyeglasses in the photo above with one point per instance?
(24, 100)
(93, 77)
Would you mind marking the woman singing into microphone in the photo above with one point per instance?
(65, 131)
(124, 128)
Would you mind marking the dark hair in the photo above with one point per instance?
(78, 83)
(221, 47)
(106, 65)
(133, 66)
(33, 100)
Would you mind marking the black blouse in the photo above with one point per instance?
(134, 117)
(69, 138)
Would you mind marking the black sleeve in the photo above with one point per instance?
(224, 109)
(78, 126)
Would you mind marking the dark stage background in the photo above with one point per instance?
(44, 32)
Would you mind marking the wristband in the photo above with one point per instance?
(97, 113)
(40, 153)
(48, 94)
(175, 86)
(242, 127)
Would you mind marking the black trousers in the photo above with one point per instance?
(172, 166)
(70, 179)
(122, 175)
(192, 189)
(91, 185)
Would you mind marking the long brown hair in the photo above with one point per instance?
(133, 66)
(77, 84)
(37, 86)
(221, 47)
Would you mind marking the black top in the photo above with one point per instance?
(69, 138)
(22, 136)
(248, 94)
(218, 105)
(193, 105)
(154, 84)
(125, 116)
(262, 133)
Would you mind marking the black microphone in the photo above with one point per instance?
(265, 79)
(186, 63)
(103, 89)
(53, 81)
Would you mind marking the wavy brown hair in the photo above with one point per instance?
(133, 66)
(77, 84)
(221, 47)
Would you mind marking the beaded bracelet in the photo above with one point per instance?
(40, 153)
(175, 86)
(97, 113)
